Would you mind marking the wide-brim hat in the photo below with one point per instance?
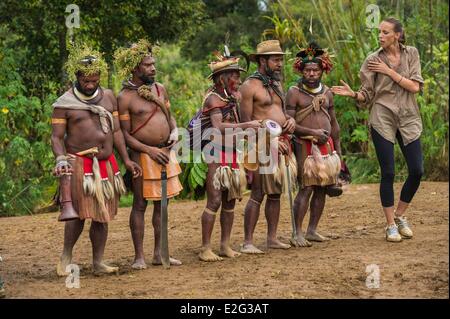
(230, 64)
(269, 47)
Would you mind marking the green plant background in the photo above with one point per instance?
(33, 49)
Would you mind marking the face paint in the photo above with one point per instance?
(233, 82)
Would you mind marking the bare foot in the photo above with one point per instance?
(173, 262)
(228, 252)
(139, 264)
(276, 244)
(300, 241)
(250, 249)
(63, 262)
(103, 269)
(315, 236)
(207, 255)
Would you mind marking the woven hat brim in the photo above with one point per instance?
(252, 57)
(228, 68)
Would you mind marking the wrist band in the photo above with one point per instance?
(58, 121)
(124, 117)
(60, 158)
(62, 163)
(400, 80)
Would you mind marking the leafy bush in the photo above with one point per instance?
(26, 159)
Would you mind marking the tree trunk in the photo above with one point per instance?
(110, 72)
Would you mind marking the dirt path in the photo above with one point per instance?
(416, 268)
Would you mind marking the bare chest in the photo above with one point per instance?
(266, 98)
(141, 107)
(78, 117)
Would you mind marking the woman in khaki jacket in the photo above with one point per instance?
(390, 78)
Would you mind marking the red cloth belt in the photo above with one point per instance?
(225, 159)
(323, 148)
(87, 166)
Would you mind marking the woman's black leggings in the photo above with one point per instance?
(385, 154)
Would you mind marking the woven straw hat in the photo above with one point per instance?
(227, 64)
(269, 47)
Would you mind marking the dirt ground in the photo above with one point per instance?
(416, 268)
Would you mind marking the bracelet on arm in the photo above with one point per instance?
(61, 158)
(401, 78)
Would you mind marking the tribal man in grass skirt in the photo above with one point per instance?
(85, 128)
(318, 148)
(225, 178)
(263, 99)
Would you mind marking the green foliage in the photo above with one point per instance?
(433, 105)
(193, 179)
(26, 159)
(185, 81)
(237, 22)
(106, 25)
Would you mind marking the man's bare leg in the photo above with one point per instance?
(137, 224)
(213, 197)
(272, 211)
(98, 235)
(226, 224)
(316, 207)
(208, 219)
(301, 204)
(72, 231)
(251, 216)
(156, 221)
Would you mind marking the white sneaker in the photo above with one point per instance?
(403, 227)
(392, 234)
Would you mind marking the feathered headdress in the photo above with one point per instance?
(227, 61)
(313, 54)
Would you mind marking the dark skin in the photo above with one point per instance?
(217, 198)
(81, 132)
(156, 131)
(317, 125)
(257, 104)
